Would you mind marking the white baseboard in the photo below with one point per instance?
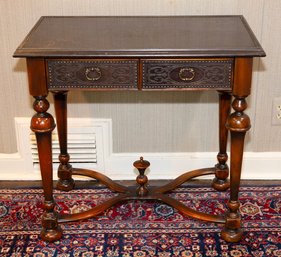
(119, 166)
(256, 165)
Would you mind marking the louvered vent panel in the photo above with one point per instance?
(81, 148)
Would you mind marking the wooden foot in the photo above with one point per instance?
(232, 235)
(50, 229)
(65, 182)
(51, 235)
(232, 231)
(65, 185)
(220, 182)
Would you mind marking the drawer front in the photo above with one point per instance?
(187, 74)
(92, 74)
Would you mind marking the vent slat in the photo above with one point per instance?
(71, 151)
(83, 136)
(72, 157)
(86, 160)
(81, 147)
(73, 141)
(70, 146)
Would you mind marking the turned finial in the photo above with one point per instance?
(141, 164)
(142, 179)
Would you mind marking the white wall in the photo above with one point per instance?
(175, 122)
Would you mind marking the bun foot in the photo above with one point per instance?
(51, 235)
(220, 185)
(232, 231)
(231, 235)
(66, 182)
(65, 185)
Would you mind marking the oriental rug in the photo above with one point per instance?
(141, 228)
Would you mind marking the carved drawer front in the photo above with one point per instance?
(187, 74)
(92, 74)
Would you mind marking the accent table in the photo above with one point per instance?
(140, 53)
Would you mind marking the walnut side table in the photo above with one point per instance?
(140, 53)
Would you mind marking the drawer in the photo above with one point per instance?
(91, 74)
(187, 74)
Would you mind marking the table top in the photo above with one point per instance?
(162, 36)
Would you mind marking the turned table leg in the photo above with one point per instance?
(65, 183)
(42, 123)
(238, 123)
(220, 182)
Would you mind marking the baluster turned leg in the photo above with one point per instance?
(220, 182)
(65, 183)
(238, 123)
(43, 124)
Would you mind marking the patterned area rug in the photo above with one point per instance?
(141, 228)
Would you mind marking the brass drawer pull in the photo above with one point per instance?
(186, 74)
(93, 74)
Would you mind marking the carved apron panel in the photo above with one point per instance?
(203, 74)
(91, 74)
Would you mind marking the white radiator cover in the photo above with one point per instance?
(86, 141)
(93, 141)
(82, 146)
